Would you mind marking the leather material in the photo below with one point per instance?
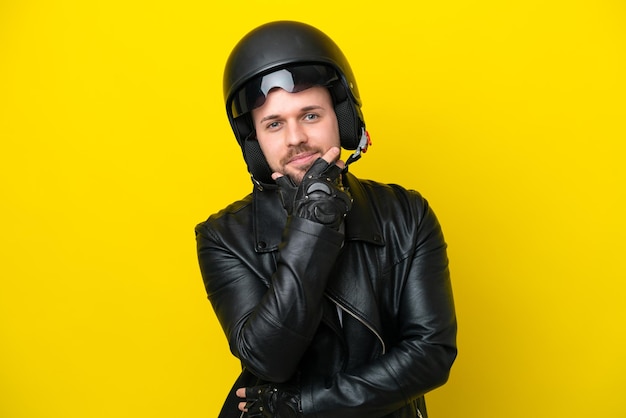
(320, 197)
(273, 401)
(276, 282)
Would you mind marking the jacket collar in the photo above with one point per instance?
(361, 224)
(270, 218)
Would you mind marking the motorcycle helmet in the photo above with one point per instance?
(293, 56)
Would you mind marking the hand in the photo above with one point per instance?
(271, 401)
(321, 196)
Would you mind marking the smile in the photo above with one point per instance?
(302, 158)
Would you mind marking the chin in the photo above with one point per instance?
(297, 173)
(297, 178)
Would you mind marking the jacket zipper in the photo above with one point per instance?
(368, 326)
(382, 343)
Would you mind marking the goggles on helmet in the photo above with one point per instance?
(290, 79)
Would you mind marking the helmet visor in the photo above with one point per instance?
(291, 79)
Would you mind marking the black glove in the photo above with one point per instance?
(271, 401)
(320, 197)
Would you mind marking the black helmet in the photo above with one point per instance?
(293, 56)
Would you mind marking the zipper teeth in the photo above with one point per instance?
(343, 308)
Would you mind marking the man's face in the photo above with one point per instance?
(295, 129)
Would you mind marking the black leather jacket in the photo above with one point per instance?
(277, 284)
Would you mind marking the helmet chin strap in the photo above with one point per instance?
(361, 148)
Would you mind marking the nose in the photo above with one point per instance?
(296, 134)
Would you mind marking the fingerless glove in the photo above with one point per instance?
(320, 197)
(271, 401)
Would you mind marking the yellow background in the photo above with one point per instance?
(509, 116)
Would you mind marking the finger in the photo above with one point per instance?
(242, 407)
(241, 392)
(332, 172)
(252, 392)
(284, 181)
(331, 155)
(319, 166)
(276, 175)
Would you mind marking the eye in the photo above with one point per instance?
(311, 116)
(272, 125)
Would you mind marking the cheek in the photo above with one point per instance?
(334, 129)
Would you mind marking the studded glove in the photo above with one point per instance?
(271, 401)
(320, 197)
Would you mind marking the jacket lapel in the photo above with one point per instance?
(355, 272)
(270, 219)
(357, 268)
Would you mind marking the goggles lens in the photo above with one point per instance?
(291, 79)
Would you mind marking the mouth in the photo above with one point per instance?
(303, 158)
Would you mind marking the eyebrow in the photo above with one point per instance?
(303, 110)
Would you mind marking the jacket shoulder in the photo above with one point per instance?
(233, 214)
(402, 217)
(391, 200)
(388, 188)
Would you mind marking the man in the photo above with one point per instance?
(333, 292)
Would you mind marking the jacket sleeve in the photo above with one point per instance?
(424, 346)
(269, 322)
